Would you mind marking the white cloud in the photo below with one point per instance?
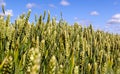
(64, 3)
(30, 5)
(7, 12)
(116, 16)
(52, 5)
(57, 21)
(2, 3)
(94, 13)
(115, 19)
(84, 22)
(76, 18)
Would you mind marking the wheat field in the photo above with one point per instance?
(50, 47)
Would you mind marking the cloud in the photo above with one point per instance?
(64, 3)
(30, 5)
(76, 18)
(115, 19)
(2, 3)
(94, 13)
(7, 12)
(116, 16)
(52, 5)
(84, 22)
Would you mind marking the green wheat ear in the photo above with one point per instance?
(52, 65)
(76, 70)
(33, 59)
(3, 9)
(48, 19)
(60, 70)
(8, 65)
(44, 15)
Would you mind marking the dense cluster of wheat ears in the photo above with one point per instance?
(56, 48)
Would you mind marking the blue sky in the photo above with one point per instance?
(102, 14)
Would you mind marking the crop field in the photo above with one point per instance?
(50, 47)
